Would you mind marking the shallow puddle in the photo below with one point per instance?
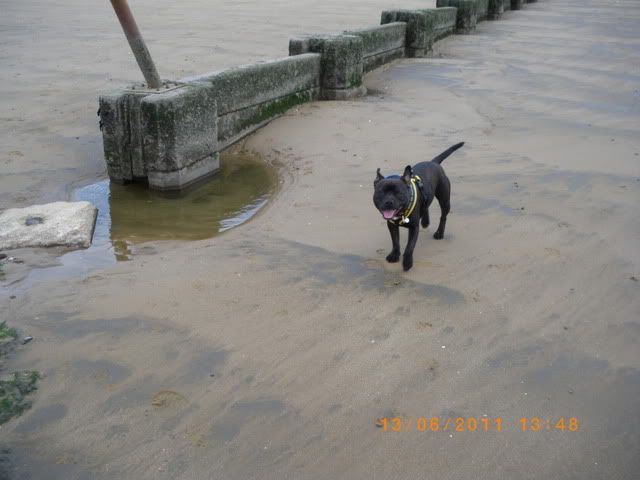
(132, 214)
(129, 215)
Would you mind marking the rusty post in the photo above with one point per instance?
(136, 42)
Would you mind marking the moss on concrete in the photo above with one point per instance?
(355, 80)
(381, 44)
(482, 8)
(467, 13)
(495, 9)
(275, 108)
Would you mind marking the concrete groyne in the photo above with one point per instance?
(171, 137)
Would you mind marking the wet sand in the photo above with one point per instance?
(56, 60)
(270, 351)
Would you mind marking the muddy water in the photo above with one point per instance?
(133, 214)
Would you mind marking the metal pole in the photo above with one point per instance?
(136, 42)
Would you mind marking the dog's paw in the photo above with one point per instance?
(438, 235)
(393, 257)
(407, 263)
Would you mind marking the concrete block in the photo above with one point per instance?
(517, 4)
(482, 7)
(342, 67)
(381, 44)
(120, 124)
(341, 63)
(249, 96)
(417, 30)
(305, 44)
(180, 138)
(69, 224)
(424, 27)
(495, 9)
(467, 14)
(122, 131)
(444, 22)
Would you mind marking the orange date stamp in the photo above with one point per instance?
(477, 424)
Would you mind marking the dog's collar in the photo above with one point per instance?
(414, 185)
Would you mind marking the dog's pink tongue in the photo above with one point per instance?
(388, 214)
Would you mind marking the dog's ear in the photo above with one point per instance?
(378, 177)
(406, 176)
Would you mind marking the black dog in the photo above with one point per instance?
(404, 201)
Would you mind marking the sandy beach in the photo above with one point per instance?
(270, 351)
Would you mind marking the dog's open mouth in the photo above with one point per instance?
(388, 214)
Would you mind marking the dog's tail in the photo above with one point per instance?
(440, 158)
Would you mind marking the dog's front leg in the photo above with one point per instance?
(407, 259)
(424, 221)
(394, 230)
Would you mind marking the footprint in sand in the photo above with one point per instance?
(167, 398)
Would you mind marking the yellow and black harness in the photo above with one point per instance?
(415, 185)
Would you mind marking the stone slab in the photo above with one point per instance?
(68, 224)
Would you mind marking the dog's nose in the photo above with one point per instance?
(387, 205)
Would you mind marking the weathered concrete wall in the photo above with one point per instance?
(121, 132)
(416, 44)
(172, 138)
(381, 44)
(495, 9)
(167, 138)
(467, 14)
(482, 7)
(444, 21)
(249, 96)
(341, 63)
(179, 136)
(424, 27)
